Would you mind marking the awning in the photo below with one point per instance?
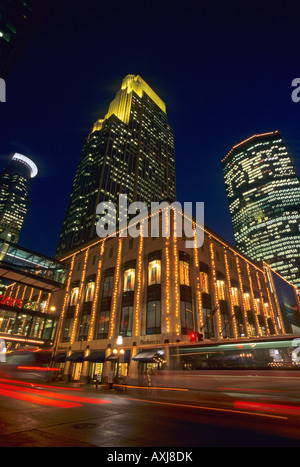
(96, 357)
(119, 358)
(60, 357)
(76, 357)
(149, 355)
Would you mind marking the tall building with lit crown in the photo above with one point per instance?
(15, 185)
(263, 191)
(130, 151)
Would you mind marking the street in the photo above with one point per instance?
(45, 415)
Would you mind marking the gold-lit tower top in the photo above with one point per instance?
(121, 105)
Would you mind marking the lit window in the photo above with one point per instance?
(247, 301)
(235, 296)
(221, 290)
(154, 272)
(204, 282)
(266, 309)
(184, 273)
(89, 293)
(74, 296)
(129, 279)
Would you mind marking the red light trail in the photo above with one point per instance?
(35, 395)
(37, 400)
(23, 383)
(36, 368)
(264, 407)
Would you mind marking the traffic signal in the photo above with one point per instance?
(194, 336)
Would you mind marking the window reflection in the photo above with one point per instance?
(153, 317)
(103, 325)
(89, 293)
(74, 296)
(108, 286)
(126, 321)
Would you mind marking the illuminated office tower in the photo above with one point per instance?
(131, 152)
(263, 191)
(15, 184)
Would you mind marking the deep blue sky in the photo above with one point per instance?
(224, 70)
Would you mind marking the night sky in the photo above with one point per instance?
(224, 70)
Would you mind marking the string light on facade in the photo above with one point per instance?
(230, 295)
(262, 310)
(198, 287)
(79, 297)
(176, 275)
(212, 257)
(269, 277)
(254, 304)
(97, 287)
(242, 291)
(115, 292)
(139, 284)
(167, 249)
(66, 299)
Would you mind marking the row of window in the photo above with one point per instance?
(154, 277)
(153, 313)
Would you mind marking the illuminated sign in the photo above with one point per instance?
(11, 301)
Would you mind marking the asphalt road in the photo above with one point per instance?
(39, 416)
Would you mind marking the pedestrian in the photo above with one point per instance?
(98, 379)
(110, 379)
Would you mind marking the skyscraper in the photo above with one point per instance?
(130, 151)
(263, 191)
(19, 20)
(15, 184)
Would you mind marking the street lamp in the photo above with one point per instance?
(120, 340)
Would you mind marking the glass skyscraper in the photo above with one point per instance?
(131, 152)
(15, 185)
(263, 191)
(19, 21)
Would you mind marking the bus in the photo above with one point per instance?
(260, 354)
(28, 364)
